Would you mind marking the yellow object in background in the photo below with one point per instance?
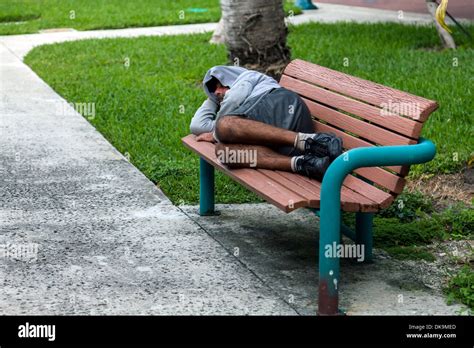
(441, 14)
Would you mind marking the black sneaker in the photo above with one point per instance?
(312, 166)
(323, 144)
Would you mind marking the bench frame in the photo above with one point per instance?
(330, 208)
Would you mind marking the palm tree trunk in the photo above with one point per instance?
(255, 34)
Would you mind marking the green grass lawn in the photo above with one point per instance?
(145, 109)
(29, 16)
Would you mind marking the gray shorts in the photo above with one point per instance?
(281, 108)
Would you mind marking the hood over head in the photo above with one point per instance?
(225, 74)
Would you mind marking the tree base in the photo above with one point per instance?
(274, 70)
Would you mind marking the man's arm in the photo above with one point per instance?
(203, 120)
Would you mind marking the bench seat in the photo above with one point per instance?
(289, 191)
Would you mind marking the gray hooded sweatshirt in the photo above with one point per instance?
(244, 84)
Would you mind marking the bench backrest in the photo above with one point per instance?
(362, 113)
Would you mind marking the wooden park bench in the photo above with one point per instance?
(380, 127)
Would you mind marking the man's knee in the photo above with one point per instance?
(219, 149)
(224, 128)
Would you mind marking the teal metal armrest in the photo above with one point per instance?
(330, 208)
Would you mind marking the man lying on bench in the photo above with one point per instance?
(249, 112)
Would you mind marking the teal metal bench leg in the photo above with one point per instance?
(206, 188)
(330, 235)
(364, 233)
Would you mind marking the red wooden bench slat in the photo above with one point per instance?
(350, 200)
(361, 128)
(351, 142)
(375, 194)
(402, 125)
(364, 90)
(376, 174)
(288, 191)
(311, 196)
(269, 189)
(383, 178)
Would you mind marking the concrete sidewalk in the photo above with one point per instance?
(109, 242)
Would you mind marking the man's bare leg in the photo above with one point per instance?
(239, 130)
(252, 156)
